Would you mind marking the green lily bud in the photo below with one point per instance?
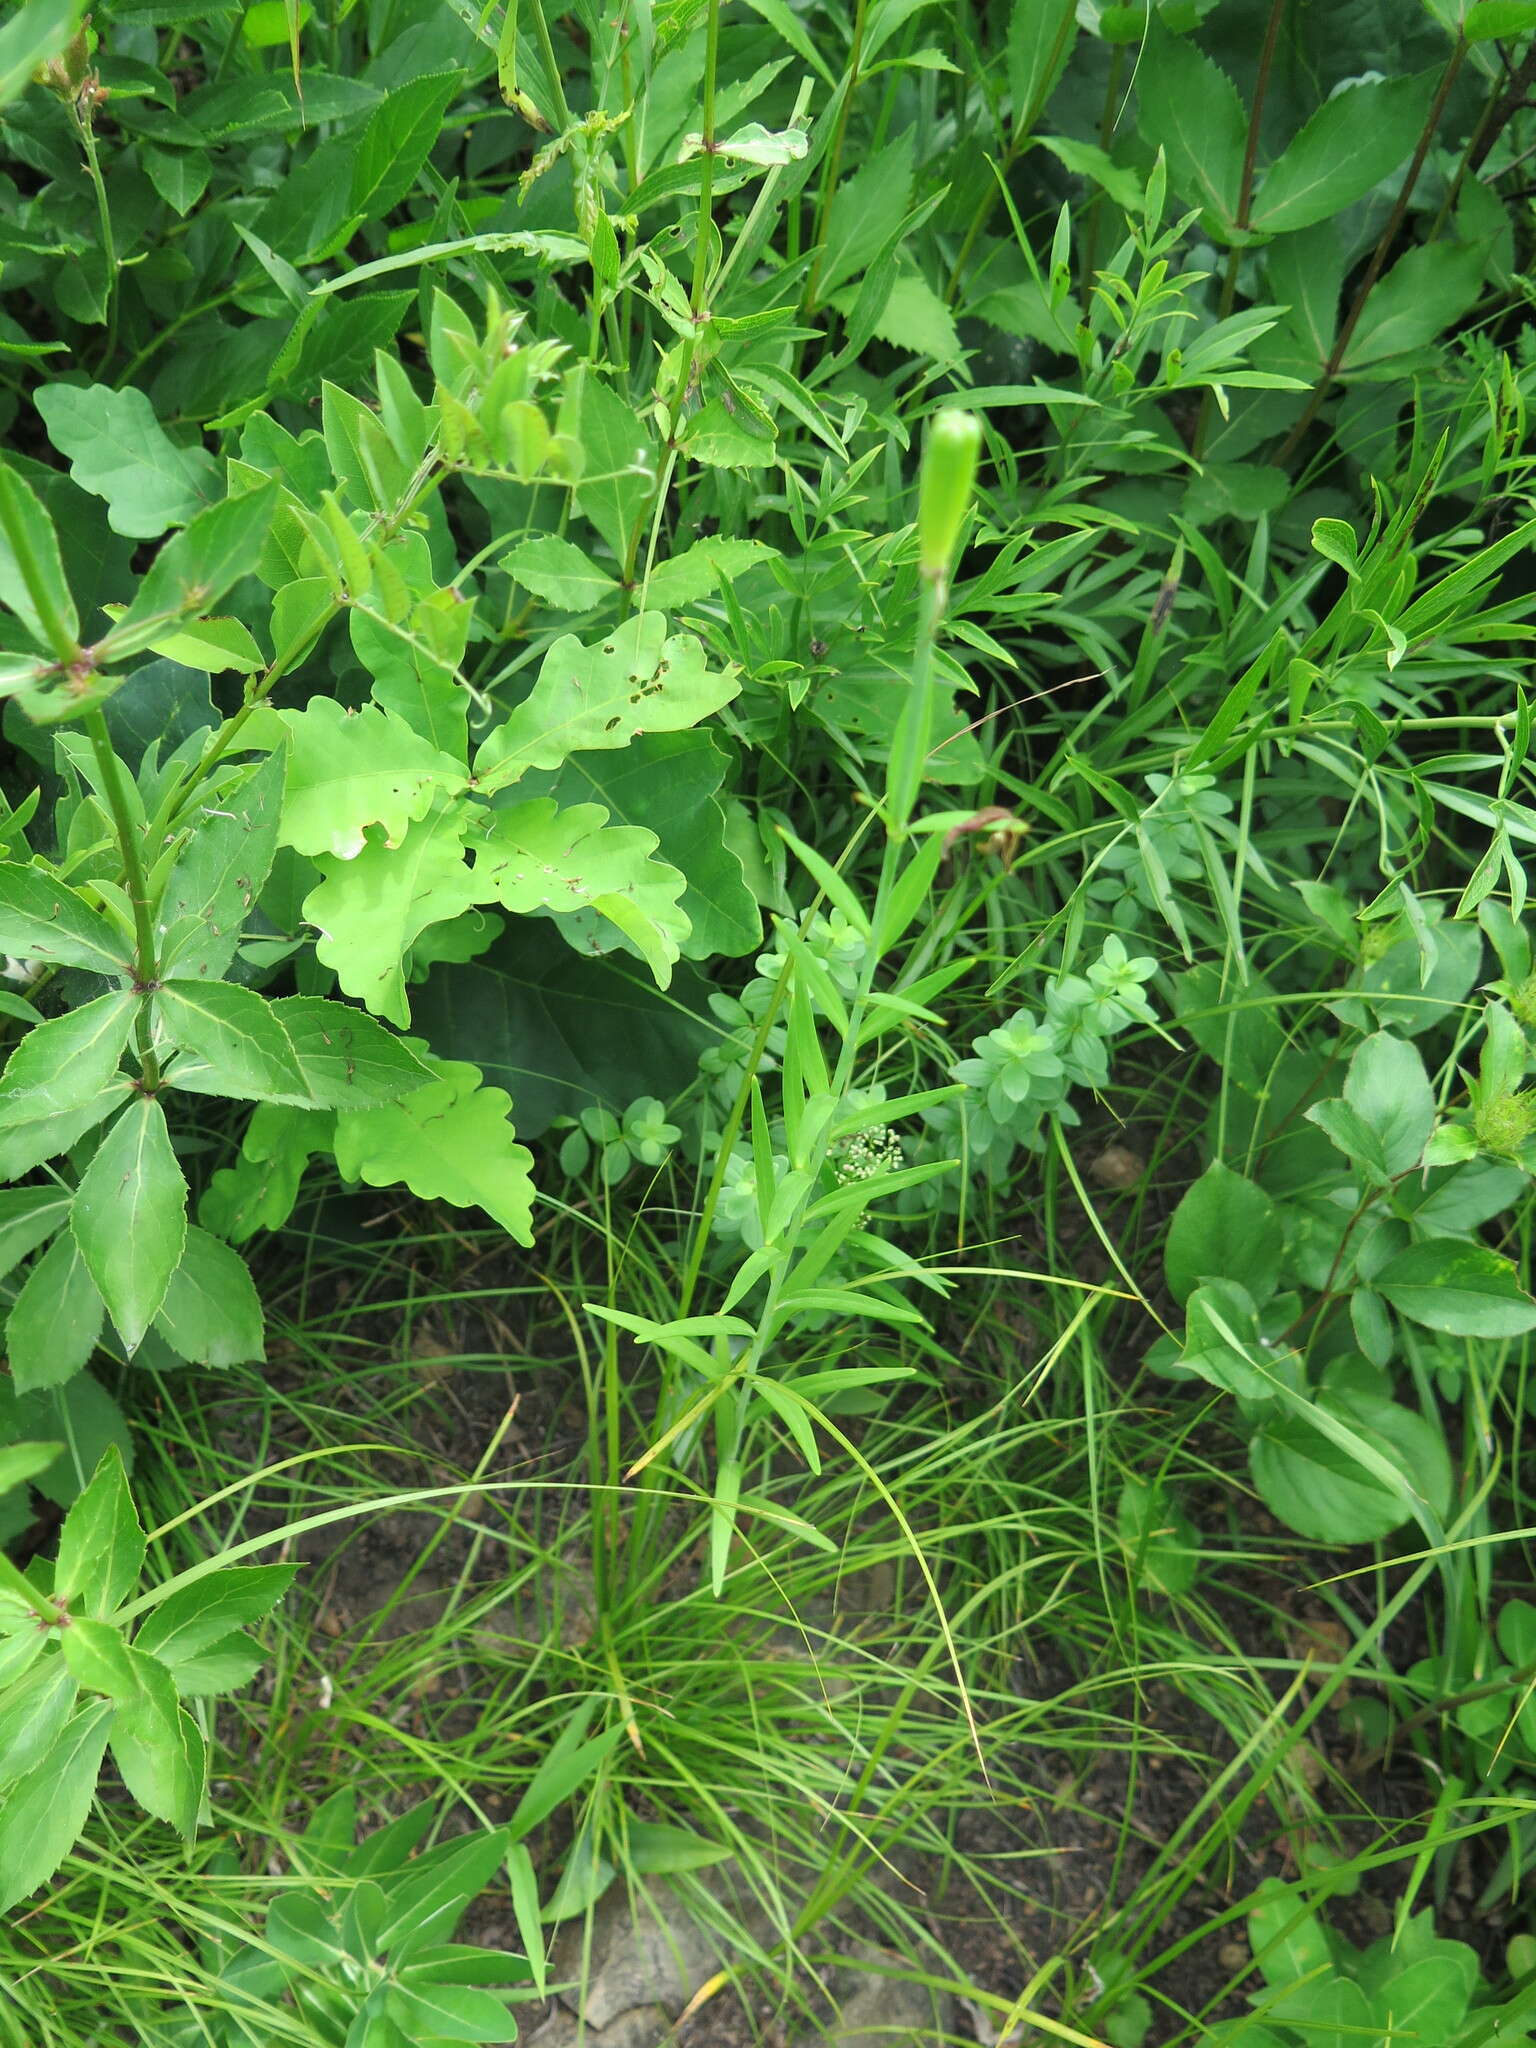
(950, 449)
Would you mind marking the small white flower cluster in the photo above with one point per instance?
(868, 1154)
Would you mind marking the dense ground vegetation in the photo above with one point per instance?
(767, 1007)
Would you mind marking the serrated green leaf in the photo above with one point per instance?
(45, 920)
(350, 770)
(237, 1033)
(220, 873)
(370, 910)
(118, 450)
(101, 1546)
(1353, 141)
(211, 1314)
(158, 1748)
(98, 1658)
(195, 568)
(26, 1145)
(55, 1321)
(42, 1815)
(451, 1141)
(602, 696)
(684, 578)
(211, 646)
(33, 1708)
(1190, 109)
(62, 1064)
(534, 856)
(130, 1217)
(197, 1617)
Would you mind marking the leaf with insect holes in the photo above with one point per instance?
(636, 680)
(130, 1217)
(349, 770)
(451, 1141)
(370, 910)
(669, 783)
(535, 856)
(301, 1051)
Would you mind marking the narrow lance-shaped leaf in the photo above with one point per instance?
(32, 581)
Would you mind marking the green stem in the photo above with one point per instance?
(15, 1582)
(87, 135)
(1023, 129)
(552, 69)
(1379, 255)
(834, 161)
(146, 967)
(1497, 115)
(1244, 197)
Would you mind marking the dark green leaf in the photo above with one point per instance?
(1190, 109)
(1464, 1289)
(397, 141)
(1353, 141)
(1225, 1228)
(158, 1749)
(194, 1618)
